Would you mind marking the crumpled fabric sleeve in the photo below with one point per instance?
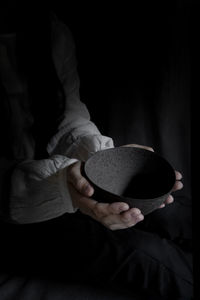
(39, 190)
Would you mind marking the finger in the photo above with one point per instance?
(131, 215)
(177, 186)
(86, 205)
(105, 209)
(100, 210)
(139, 146)
(115, 222)
(83, 203)
(118, 207)
(80, 183)
(169, 200)
(118, 226)
(178, 175)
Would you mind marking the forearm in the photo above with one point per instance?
(38, 190)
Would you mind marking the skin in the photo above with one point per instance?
(116, 215)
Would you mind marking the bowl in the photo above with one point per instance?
(139, 177)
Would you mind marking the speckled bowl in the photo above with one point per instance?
(133, 175)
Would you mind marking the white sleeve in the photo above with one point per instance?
(39, 190)
(77, 136)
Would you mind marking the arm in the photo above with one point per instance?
(77, 135)
(34, 190)
(37, 189)
(30, 190)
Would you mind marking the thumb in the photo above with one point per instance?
(79, 182)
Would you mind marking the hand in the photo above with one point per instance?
(114, 216)
(178, 184)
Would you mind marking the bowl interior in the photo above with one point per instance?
(130, 172)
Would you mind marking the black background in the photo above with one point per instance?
(123, 44)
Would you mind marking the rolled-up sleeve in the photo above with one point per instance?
(39, 190)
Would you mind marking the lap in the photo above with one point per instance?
(73, 232)
(174, 222)
(80, 248)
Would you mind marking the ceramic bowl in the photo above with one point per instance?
(139, 177)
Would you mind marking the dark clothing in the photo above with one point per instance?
(134, 260)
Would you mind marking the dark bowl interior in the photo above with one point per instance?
(137, 176)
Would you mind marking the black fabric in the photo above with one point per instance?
(35, 62)
(150, 258)
(36, 68)
(31, 288)
(6, 135)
